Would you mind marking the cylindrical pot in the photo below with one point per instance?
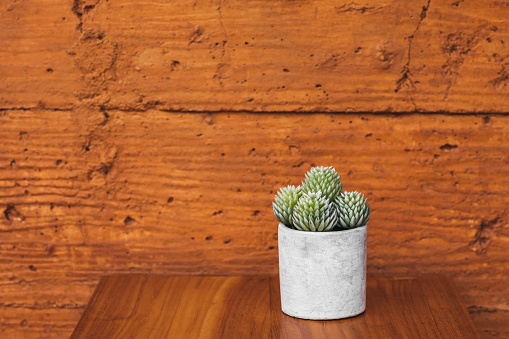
(322, 274)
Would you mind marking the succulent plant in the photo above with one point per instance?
(285, 201)
(324, 180)
(352, 209)
(320, 203)
(314, 212)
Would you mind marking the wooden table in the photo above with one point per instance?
(137, 306)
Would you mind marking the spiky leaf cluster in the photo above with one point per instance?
(314, 212)
(324, 180)
(320, 204)
(285, 201)
(353, 209)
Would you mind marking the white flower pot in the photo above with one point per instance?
(322, 274)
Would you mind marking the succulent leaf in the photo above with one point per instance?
(324, 180)
(285, 201)
(353, 210)
(315, 213)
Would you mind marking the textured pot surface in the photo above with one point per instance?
(322, 274)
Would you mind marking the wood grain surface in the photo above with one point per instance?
(373, 56)
(250, 307)
(182, 307)
(87, 193)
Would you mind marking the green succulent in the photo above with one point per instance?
(314, 212)
(325, 180)
(352, 209)
(285, 201)
(320, 203)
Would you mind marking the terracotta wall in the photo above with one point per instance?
(151, 138)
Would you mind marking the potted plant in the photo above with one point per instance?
(322, 247)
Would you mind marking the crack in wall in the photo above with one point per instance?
(406, 77)
(218, 75)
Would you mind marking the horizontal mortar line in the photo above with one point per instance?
(378, 113)
(226, 111)
(4, 109)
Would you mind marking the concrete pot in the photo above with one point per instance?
(322, 274)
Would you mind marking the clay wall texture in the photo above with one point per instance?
(151, 137)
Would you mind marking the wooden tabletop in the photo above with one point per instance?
(136, 306)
